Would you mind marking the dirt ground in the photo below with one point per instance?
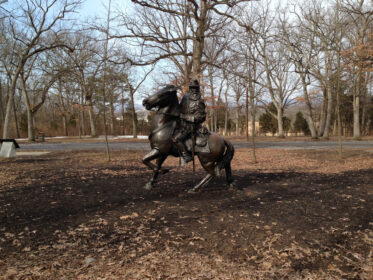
(300, 215)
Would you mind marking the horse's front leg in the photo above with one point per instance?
(160, 158)
(153, 154)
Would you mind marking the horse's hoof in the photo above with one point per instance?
(234, 187)
(148, 187)
(164, 171)
(192, 191)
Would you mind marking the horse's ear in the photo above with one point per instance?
(173, 88)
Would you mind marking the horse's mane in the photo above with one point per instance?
(171, 89)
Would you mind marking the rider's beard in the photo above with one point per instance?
(195, 95)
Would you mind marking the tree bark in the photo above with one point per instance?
(64, 125)
(81, 116)
(280, 122)
(112, 117)
(122, 103)
(329, 112)
(237, 120)
(1, 103)
(30, 123)
(323, 114)
(16, 119)
(91, 118)
(133, 113)
(9, 106)
(356, 108)
(62, 108)
(309, 115)
(199, 40)
(226, 113)
(247, 112)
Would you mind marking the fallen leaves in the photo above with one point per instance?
(126, 217)
(89, 219)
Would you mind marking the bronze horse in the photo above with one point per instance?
(164, 123)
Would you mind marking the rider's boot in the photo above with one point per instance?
(184, 155)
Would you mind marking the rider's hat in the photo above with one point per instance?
(194, 84)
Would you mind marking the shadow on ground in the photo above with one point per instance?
(301, 219)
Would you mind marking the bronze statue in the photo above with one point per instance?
(192, 114)
(173, 127)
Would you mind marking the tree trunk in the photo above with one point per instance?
(226, 121)
(16, 119)
(356, 122)
(280, 122)
(309, 115)
(247, 113)
(226, 112)
(30, 123)
(8, 111)
(9, 106)
(311, 126)
(91, 118)
(62, 108)
(329, 112)
(199, 40)
(212, 111)
(122, 101)
(1, 104)
(88, 100)
(64, 125)
(133, 114)
(81, 116)
(112, 118)
(253, 130)
(356, 108)
(237, 120)
(323, 114)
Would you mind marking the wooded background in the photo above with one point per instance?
(294, 67)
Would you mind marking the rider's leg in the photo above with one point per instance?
(179, 141)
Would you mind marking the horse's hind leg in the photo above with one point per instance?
(210, 168)
(228, 174)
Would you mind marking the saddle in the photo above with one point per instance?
(202, 144)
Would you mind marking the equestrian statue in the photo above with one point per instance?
(177, 130)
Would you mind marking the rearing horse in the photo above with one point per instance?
(164, 123)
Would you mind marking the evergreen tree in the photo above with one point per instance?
(300, 124)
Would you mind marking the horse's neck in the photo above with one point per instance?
(171, 109)
(166, 114)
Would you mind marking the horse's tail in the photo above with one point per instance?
(228, 155)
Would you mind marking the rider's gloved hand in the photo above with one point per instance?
(187, 117)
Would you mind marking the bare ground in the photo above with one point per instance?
(301, 215)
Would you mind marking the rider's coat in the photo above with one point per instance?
(193, 114)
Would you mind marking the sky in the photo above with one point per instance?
(99, 7)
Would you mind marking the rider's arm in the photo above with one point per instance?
(198, 117)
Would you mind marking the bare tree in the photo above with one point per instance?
(32, 83)
(34, 29)
(87, 65)
(300, 44)
(360, 17)
(279, 78)
(177, 30)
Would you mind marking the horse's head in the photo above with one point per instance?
(160, 98)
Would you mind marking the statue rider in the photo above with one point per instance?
(192, 115)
